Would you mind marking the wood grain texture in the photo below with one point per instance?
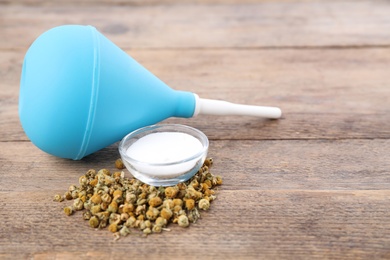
(244, 165)
(240, 224)
(312, 185)
(252, 25)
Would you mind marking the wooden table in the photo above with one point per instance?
(314, 184)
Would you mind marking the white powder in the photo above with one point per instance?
(165, 147)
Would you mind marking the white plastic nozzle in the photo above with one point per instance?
(224, 108)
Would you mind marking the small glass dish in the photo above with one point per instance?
(164, 173)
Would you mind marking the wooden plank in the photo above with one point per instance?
(326, 94)
(136, 2)
(240, 224)
(249, 165)
(251, 25)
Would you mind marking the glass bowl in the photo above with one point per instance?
(159, 169)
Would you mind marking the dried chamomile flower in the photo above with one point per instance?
(124, 231)
(78, 204)
(95, 209)
(106, 198)
(96, 198)
(155, 202)
(161, 221)
(68, 211)
(94, 222)
(218, 180)
(117, 194)
(124, 217)
(166, 213)
(152, 213)
(208, 162)
(178, 202)
(168, 203)
(204, 204)
(113, 227)
(171, 192)
(119, 164)
(113, 207)
(183, 221)
(87, 215)
(157, 229)
(58, 198)
(190, 204)
(68, 195)
(147, 231)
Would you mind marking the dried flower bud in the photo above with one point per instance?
(190, 204)
(178, 202)
(142, 225)
(83, 180)
(148, 224)
(183, 221)
(124, 217)
(94, 222)
(87, 215)
(161, 221)
(171, 192)
(204, 204)
(113, 207)
(105, 215)
(194, 184)
(117, 194)
(155, 202)
(106, 198)
(131, 198)
(181, 186)
(168, 203)
(113, 227)
(219, 180)
(124, 231)
(91, 173)
(78, 204)
(209, 162)
(104, 172)
(166, 213)
(193, 215)
(68, 195)
(58, 198)
(75, 194)
(147, 231)
(152, 213)
(193, 194)
(114, 218)
(208, 192)
(96, 199)
(177, 209)
(95, 209)
(87, 205)
(127, 208)
(208, 183)
(68, 211)
(119, 164)
(104, 206)
(157, 229)
(140, 210)
(93, 182)
(72, 188)
(131, 222)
